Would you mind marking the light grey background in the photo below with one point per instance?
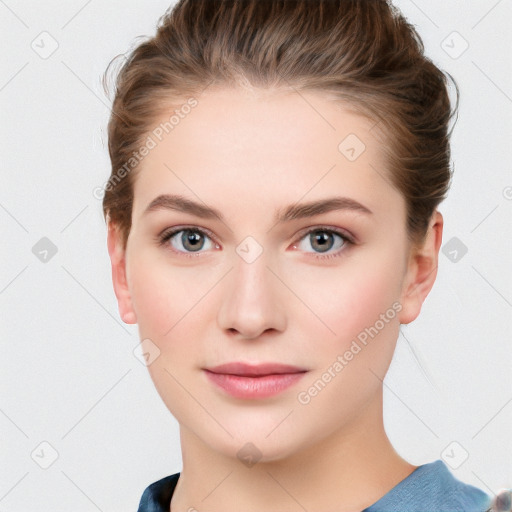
(68, 374)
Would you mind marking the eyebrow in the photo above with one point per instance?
(287, 214)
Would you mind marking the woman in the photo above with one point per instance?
(272, 220)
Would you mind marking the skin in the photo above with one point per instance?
(247, 153)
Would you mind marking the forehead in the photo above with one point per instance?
(252, 147)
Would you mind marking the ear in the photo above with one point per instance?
(118, 261)
(422, 271)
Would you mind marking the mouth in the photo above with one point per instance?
(247, 381)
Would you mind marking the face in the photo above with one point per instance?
(262, 279)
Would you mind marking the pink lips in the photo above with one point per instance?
(243, 380)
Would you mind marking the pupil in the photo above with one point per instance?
(192, 238)
(321, 237)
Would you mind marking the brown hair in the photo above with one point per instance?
(360, 51)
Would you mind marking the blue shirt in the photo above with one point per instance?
(429, 488)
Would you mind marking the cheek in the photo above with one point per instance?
(362, 309)
(348, 299)
(151, 300)
(169, 301)
(176, 308)
(170, 312)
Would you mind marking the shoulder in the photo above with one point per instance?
(453, 494)
(432, 487)
(157, 496)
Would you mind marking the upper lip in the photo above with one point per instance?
(252, 370)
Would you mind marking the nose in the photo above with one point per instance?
(253, 299)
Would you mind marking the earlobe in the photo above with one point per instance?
(421, 272)
(119, 280)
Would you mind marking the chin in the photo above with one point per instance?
(255, 447)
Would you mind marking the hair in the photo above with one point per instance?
(362, 53)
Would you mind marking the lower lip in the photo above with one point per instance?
(254, 387)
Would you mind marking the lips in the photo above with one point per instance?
(258, 370)
(249, 381)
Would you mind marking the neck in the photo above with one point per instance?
(349, 470)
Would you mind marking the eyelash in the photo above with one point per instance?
(163, 238)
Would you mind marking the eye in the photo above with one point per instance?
(321, 238)
(191, 239)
